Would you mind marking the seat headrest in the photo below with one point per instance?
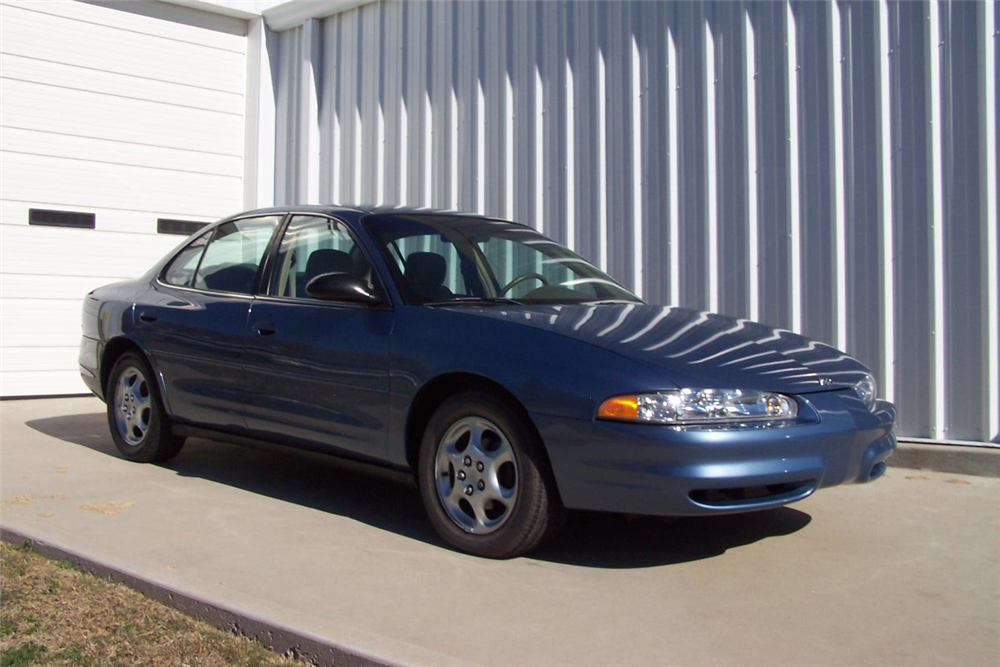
(327, 260)
(425, 269)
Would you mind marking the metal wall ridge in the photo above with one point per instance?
(829, 168)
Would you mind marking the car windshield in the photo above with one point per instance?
(453, 260)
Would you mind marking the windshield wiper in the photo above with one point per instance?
(475, 301)
(602, 302)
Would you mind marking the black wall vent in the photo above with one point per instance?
(41, 216)
(184, 227)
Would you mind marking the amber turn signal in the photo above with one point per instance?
(620, 407)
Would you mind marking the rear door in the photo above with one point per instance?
(317, 372)
(194, 321)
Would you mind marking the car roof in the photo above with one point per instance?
(354, 214)
(356, 211)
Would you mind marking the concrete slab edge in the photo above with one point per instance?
(280, 639)
(956, 459)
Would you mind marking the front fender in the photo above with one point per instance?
(549, 374)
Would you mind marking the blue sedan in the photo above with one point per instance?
(511, 376)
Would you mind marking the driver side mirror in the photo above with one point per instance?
(343, 287)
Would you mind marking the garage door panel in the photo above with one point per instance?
(35, 142)
(130, 111)
(28, 359)
(42, 383)
(34, 286)
(154, 18)
(80, 253)
(65, 182)
(28, 286)
(33, 371)
(41, 322)
(100, 47)
(88, 114)
(47, 73)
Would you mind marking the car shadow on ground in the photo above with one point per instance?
(595, 539)
(389, 500)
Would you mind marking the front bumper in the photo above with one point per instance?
(673, 471)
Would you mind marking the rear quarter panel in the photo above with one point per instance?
(107, 315)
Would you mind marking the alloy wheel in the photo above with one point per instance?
(476, 475)
(133, 406)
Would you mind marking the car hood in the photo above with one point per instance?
(696, 349)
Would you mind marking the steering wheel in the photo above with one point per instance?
(521, 278)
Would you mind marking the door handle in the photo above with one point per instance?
(264, 329)
(147, 316)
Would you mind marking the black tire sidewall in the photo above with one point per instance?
(521, 531)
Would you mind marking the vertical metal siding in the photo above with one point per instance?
(826, 167)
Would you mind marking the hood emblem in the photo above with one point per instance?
(825, 382)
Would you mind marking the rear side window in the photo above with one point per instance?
(180, 271)
(228, 262)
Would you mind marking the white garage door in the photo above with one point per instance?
(128, 114)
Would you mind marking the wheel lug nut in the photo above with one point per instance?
(481, 485)
(468, 490)
(479, 466)
(461, 474)
(468, 460)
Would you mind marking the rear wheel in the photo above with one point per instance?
(139, 425)
(484, 479)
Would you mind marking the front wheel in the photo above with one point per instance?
(484, 479)
(139, 425)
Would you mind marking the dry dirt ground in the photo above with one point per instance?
(53, 614)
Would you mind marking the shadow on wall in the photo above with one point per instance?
(389, 500)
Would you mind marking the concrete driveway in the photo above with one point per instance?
(905, 571)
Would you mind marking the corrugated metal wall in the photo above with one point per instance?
(829, 168)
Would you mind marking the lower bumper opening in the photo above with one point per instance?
(752, 495)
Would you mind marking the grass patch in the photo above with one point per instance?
(24, 654)
(8, 627)
(52, 613)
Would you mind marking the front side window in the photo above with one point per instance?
(226, 261)
(313, 246)
(451, 259)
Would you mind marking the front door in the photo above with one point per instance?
(317, 371)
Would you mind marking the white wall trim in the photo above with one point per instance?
(278, 14)
(296, 12)
(241, 9)
(258, 150)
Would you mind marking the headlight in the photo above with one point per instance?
(699, 406)
(867, 391)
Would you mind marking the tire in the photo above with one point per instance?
(139, 425)
(484, 479)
